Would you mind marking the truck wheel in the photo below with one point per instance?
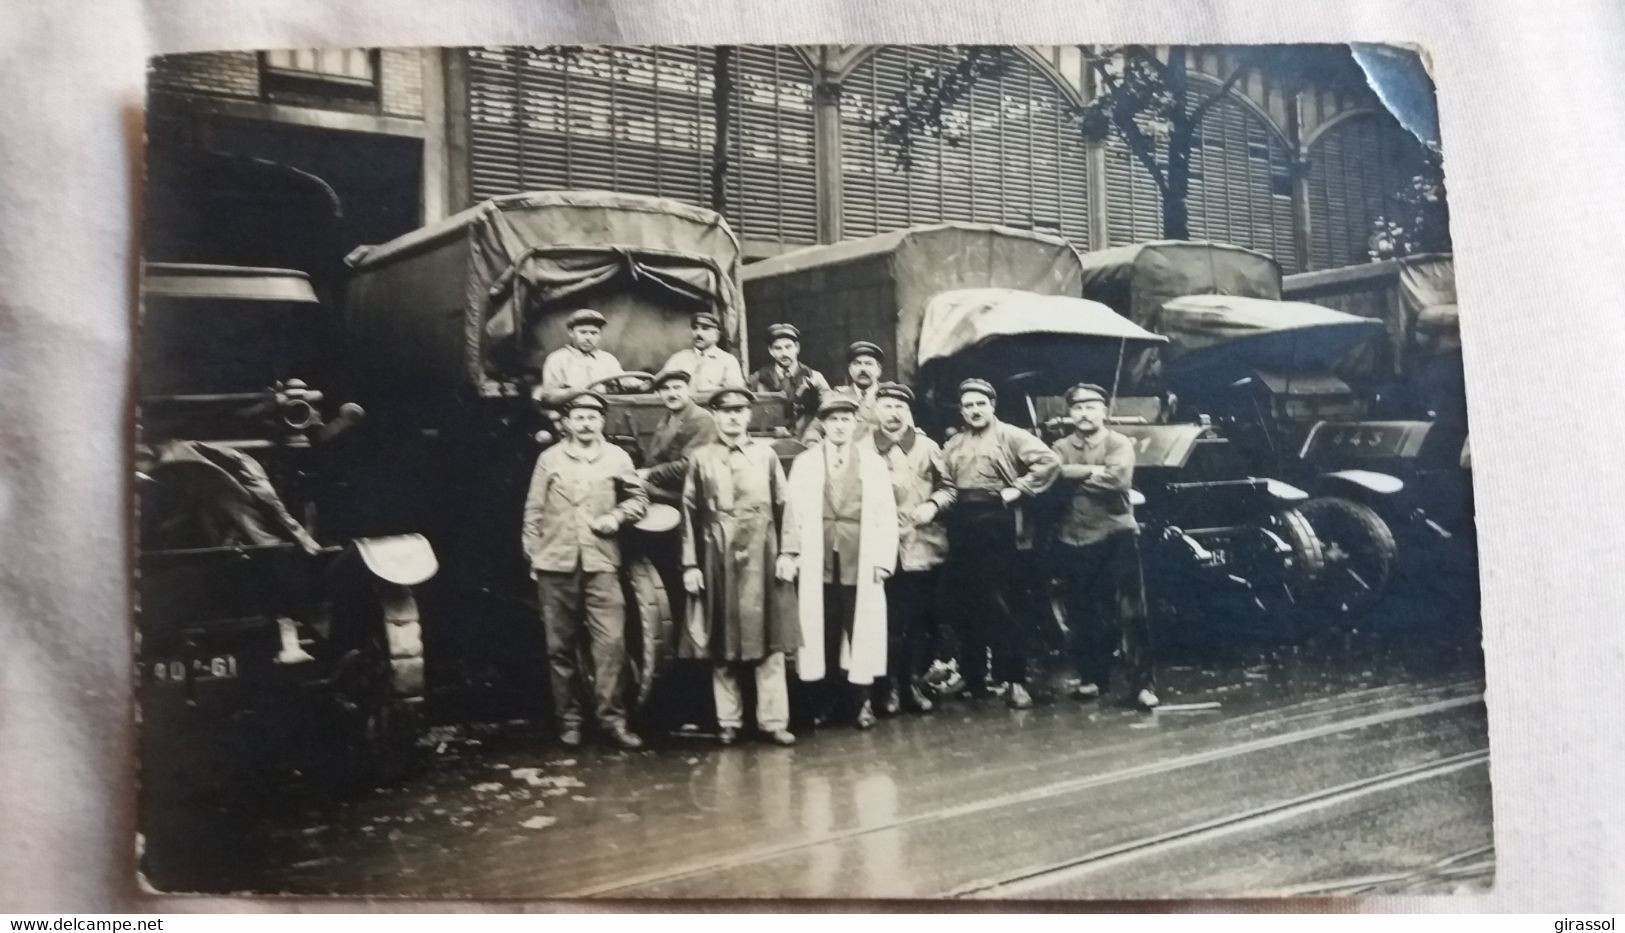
(1286, 590)
(649, 630)
(1359, 552)
(378, 688)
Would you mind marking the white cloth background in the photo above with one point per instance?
(1532, 110)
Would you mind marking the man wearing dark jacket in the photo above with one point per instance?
(685, 427)
(986, 472)
(803, 385)
(1098, 552)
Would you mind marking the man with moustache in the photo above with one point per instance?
(802, 384)
(739, 566)
(987, 470)
(573, 511)
(840, 493)
(709, 367)
(1098, 553)
(911, 593)
(684, 428)
(863, 364)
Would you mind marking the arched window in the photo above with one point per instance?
(1240, 184)
(642, 121)
(1355, 171)
(1012, 155)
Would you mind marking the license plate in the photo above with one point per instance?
(180, 670)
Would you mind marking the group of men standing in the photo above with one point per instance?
(844, 566)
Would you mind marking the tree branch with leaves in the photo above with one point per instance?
(1143, 96)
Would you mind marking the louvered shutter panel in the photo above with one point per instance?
(1355, 172)
(1133, 203)
(1240, 183)
(1010, 153)
(1240, 186)
(775, 194)
(641, 121)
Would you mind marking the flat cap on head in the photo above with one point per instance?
(584, 316)
(775, 331)
(1085, 392)
(895, 390)
(731, 397)
(706, 319)
(586, 399)
(979, 385)
(674, 374)
(836, 401)
(865, 348)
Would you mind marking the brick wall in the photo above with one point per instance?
(402, 84)
(237, 75)
(229, 74)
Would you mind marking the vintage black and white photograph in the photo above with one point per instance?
(804, 472)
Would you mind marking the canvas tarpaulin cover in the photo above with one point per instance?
(1045, 342)
(1137, 280)
(1217, 337)
(1427, 287)
(926, 260)
(519, 264)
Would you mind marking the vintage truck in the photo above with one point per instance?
(1415, 382)
(947, 301)
(447, 327)
(262, 634)
(1297, 387)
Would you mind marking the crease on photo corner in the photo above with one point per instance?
(1401, 75)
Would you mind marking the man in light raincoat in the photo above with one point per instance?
(846, 522)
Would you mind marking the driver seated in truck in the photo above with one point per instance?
(804, 386)
(580, 364)
(708, 365)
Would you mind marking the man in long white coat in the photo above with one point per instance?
(840, 491)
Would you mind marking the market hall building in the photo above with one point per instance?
(404, 137)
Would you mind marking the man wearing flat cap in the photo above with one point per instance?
(709, 367)
(685, 428)
(1097, 552)
(988, 470)
(581, 493)
(802, 384)
(581, 363)
(739, 560)
(841, 497)
(911, 594)
(863, 363)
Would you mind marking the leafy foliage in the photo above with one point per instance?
(924, 107)
(1143, 96)
(1421, 221)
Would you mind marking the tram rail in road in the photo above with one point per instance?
(1361, 730)
(1044, 878)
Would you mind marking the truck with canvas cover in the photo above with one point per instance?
(1265, 372)
(448, 327)
(877, 288)
(1210, 530)
(946, 301)
(261, 630)
(1416, 386)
